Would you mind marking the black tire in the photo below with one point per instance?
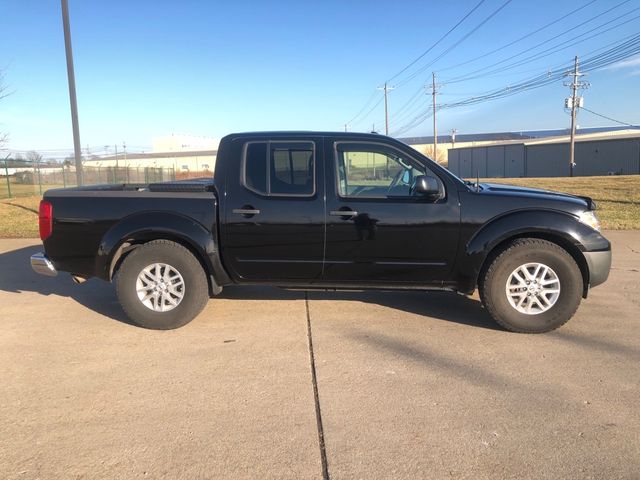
(493, 286)
(195, 290)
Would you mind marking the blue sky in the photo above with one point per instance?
(151, 68)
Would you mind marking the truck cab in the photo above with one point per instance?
(326, 210)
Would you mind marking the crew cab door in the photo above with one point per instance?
(377, 231)
(274, 210)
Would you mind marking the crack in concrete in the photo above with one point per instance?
(316, 398)
(633, 250)
(625, 269)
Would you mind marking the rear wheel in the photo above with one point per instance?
(161, 285)
(533, 286)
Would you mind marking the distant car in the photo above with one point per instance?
(327, 211)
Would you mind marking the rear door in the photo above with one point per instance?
(377, 231)
(274, 210)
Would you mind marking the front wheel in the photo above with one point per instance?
(161, 285)
(533, 286)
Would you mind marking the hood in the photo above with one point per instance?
(511, 190)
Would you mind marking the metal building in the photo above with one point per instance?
(595, 154)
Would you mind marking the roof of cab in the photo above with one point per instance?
(310, 133)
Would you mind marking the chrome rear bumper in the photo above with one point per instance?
(42, 265)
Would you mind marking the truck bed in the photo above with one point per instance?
(87, 218)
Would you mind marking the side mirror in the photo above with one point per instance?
(425, 185)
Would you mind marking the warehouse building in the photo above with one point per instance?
(182, 153)
(198, 161)
(601, 153)
(446, 142)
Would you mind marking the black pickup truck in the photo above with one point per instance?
(316, 210)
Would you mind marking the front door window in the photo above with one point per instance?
(371, 172)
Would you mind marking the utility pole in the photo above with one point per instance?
(435, 130)
(453, 137)
(115, 171)
(72, 91)
(345, 127)
(574, 102)
(124, 148)
(386, 89)
(386, 110)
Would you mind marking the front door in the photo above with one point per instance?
(377, 231)
(274, 211)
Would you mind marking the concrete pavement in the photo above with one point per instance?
(410, 385)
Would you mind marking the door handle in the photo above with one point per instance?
(343, 213)
(249, 211)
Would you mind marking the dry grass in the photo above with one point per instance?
(618, 197)
(24, 190)
(19, 217)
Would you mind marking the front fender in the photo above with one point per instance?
(148, 226)
(554, 225)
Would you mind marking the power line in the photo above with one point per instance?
(544, 27)
(438, 41)
(371, 98)
(411, 64)
(363, 118)
(562, 65)
(411, 106)
(417, 120)
(549, 51)
(473, 30)
(609, 118)
(598, 62)
(408, 103)
(416, 107)
(551, 75)
(443, 37)
(495, 12)
(538, 56)
(609, 57)
(622, 50)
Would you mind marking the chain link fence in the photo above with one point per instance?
(26, 179)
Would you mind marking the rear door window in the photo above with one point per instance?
(279, 168)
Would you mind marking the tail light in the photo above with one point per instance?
(45, 219)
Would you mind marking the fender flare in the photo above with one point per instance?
(561, 227)
(147, 226)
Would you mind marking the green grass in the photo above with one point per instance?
(618, 199)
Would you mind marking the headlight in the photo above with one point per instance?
(589, 218)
